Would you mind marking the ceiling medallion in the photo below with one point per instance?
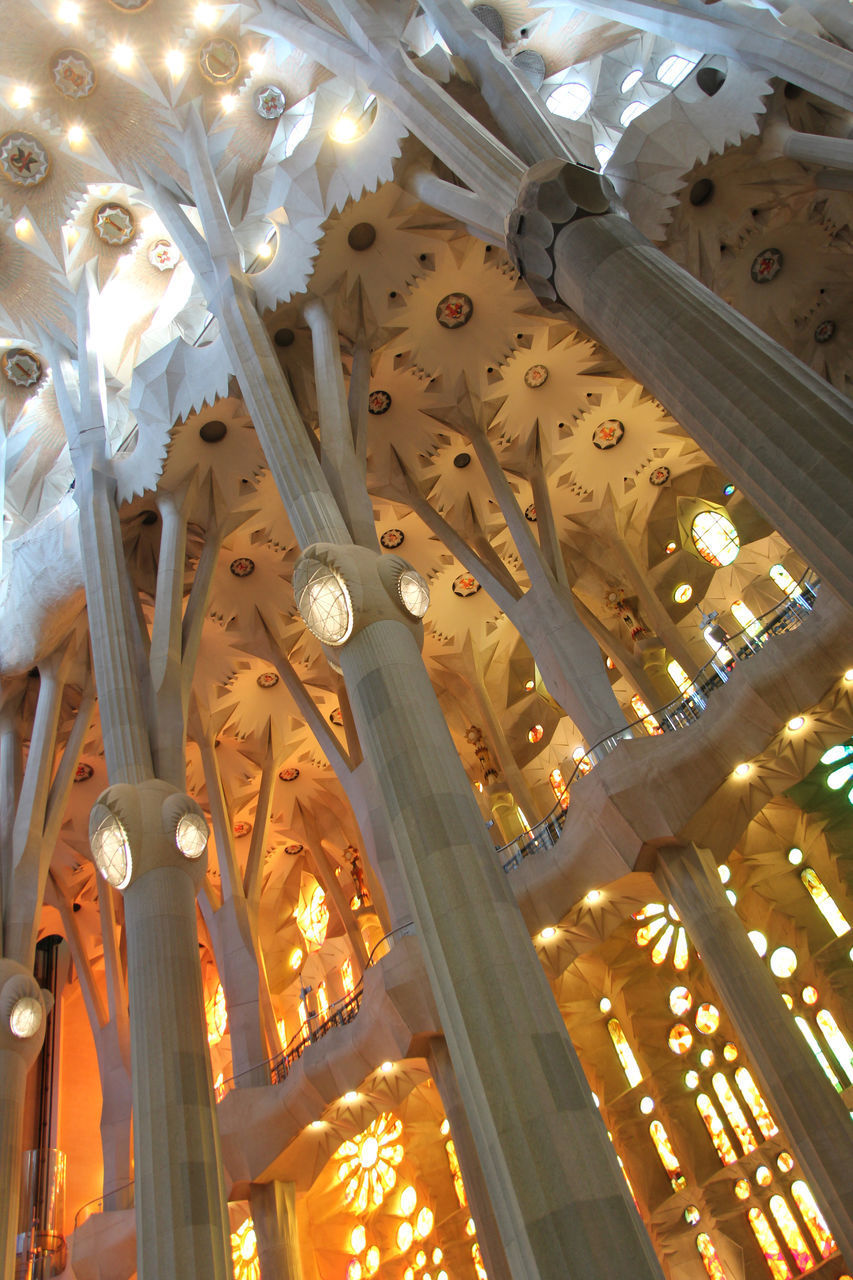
(113, 224)
(267, 680)
(23, 159)
(293, 849)
(289, 774)
(336, 718)
(608, 434)
(536, 376)
(465, 585)
(73, 73)
(219, 60)
(392, 538)
(824, 331)
(21, 367)
(164, 255)
(270, 102)
(378, 402)
(530, 513)
(242, 829)
(83, 772)
(659, 476)
(454, 310)
(242, 567)
(130, 6)
(766, 266)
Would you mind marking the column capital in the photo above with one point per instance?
(23, 1012)
(136, 828)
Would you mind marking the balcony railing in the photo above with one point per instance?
(119, 1198)
(682, 711)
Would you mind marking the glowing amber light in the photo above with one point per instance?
(680, 1038)
(707, 1019)
(812, 1216)
(295, 958)
(244, 1252)
(535, 733)
(371, 1261)
(358, 1239)
(810, 995)
(347, 981)
(791, 1232)
(624, 1052)
(742, 1188)
(710, 1257)
(785, 1162)
(780, 1268)
(658, 926)
(405, 1236)
(408, 1200)
(730, 1052)
(667, 1156)
(837, 1041)
(715, 1128)
(756, 1103)
(734, 1113)
(367, 1164)
(216, 1016)
(825, 903)
(424, 1223)
(312, 916)
(650, 724)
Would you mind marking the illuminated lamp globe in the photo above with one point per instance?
(424, 1223)
(325, 605)
(405, 1236)
(110, 847)
(796, 723)
(191, 835)
(783, 962)
(414, 593)
(25, 1018)
(408, 1200)
(605, 1005)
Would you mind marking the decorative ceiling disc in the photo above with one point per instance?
(73, 73)
(378, 402)
(289, 774)
(23, 159)
(659, 476)
(219, 60)
(392, 538)
(608, 434)
(21, 367)
(270, 102)
(465, 585)
(83, 772)
(536, 376)
(267, 680)
(242, 567)
(336, 718)
(113, 224)
(766, 266)
(824, 331)
(530, 513)
(454, 310)
(292, 849)
(242, 829)
(164, 255)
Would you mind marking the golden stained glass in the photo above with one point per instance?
(346, 977)
(813, 1218)
(680, 1001)
(710, 1257)
(756, 1103)
(791, 1233)
(367, 1164)
(312, 916)
(811, 1040)
(244, 1252)
(624, 1052)
(734, 1113)
(658, 925)
(216, 1016)
(680, 1038)
(668, 1158)
(716, 1129)
(780, 1268)
(707, 1019)
(837, 1041)
(825, 903)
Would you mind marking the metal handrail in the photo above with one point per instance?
(97, 1205)
(276, 1068)
(674, 715)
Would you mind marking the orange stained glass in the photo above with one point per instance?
(303, 1014)
(710, 1257)
(811, 1041)
(813, 1218)
(680, 1038)
(734, 1112)
(661, 947)
(680, 1000)
(322, 1001)
(779, 1266)
(346, 977)
(681, 954)
(825, 903)
(648, 931)
(756, 1103)
(668, 1158)
(791, 1232)
(837, 1041)
(650, 909)
(478, 1262)
(558, 786)
(629, 1063)
(716, 1129)
(707, 1019)
(642, 712)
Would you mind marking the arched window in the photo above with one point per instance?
(811, 1040)
(825, 903)
(756, 1103)
(673, 70)
(715, 537)
(837, 1042)
(734, 1112)
(668, 1158)
(710, 1257)
(716, 1129)
(746, 619)
(624, 1053)
(783, 579)
(569, 100)
(813, 1218)
(679, 676)
(779, 1266)
(791, 1233)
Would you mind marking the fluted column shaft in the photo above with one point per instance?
(13, 1087)
(273, 1209)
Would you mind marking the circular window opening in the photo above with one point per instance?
(715, 538)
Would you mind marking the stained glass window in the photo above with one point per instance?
(824, 902)
(724, 653)
(716, 1129)
(779, 1266)
(322, 1001)
(657, 926)
(680, 1038)
(842, 775)
(837, 1042)
(813, 1218)
(558, 786)
(707, 1019)
(346, 977)
(679, 676)
(791, 1233)
(811, 1040)
(624, 1052)
(715, 538)
(668, 1158)
(733, 1111)
(710, 1257)
(680, 1000)
(745, 618)
(783, 579)
(642, 712)
(756, 1103)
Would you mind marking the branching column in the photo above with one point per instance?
(814, 1118)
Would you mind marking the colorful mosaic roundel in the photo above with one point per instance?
(23, 159)
(242, 829)
(536, 376)
(659, 476)
(392, 538)
(242, 567)
(270, 102)
(378, 402)
(83, 772)
(454, 310)
(113, 224)
(336, 718)
(824, 331)
(219, 60)
(289, 773)
(530, 513)
(21, 367)
(164, 255)
(267, 680)
(608, 433)
(292, 849)
(73, 73)
(465, 585)
(766, 266)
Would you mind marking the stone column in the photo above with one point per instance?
(23, 1014)
(815, 1121)
(561, 1217)
(488, 1236)
(273, 1209)
(779, 431)
(180, 1196)
(808, 148)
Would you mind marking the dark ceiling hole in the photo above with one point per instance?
(362, 236)
(212, 432)
(149, 517)
(701, 192)
(461, 460)
(284, 337)
(710, 80)
(792, 91)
